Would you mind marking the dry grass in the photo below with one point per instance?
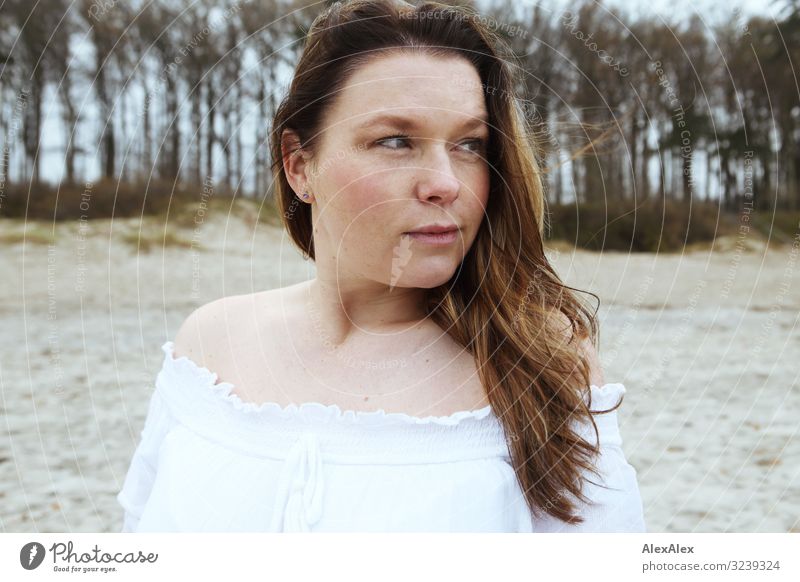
(147, 239)
(33, 233)
(651, 226)
(169, 227)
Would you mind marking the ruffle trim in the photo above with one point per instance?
(603, 398)
(307, 411)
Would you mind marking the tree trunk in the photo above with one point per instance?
(576, 175)
(32, 130)
(107, 119)
(558, 178)
(147, 128)
(70, 122)
(686, 175)
(174, 129)
(197, 168)
(729, 184)
(260, 132)
(237, 134)
(226, 149)
(211, 108)
(633, 145)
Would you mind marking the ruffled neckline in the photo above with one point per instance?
(309, 411)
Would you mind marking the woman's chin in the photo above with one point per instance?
(422, 278)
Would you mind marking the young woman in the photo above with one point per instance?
(447, 380)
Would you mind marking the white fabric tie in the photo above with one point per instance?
(298, 504)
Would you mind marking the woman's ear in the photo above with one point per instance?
(295, 164)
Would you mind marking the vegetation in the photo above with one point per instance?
(652, 133)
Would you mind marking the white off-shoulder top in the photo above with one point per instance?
(208, 461)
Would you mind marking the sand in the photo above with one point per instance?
(706, 343)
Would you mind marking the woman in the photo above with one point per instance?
(446, 374)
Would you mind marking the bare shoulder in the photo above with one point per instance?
(208, 330)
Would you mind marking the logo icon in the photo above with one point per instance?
(401, 255)
(31, 555)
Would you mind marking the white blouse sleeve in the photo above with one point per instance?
(142, 470)
(616, 502)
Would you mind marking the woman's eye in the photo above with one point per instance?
(392, 138)
(479, 145)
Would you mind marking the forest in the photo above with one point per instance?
(680, 125)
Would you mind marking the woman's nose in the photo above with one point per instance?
(436, 180)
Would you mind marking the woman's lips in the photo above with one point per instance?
(435, 238)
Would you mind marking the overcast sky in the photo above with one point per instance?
(711, 10)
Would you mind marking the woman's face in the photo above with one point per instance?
(375, 178)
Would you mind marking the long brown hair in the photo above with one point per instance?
(506, 304)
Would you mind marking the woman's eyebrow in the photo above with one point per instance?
(407, 123)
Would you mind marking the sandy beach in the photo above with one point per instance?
(707, 343)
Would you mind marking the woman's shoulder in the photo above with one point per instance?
(215, 327)
(201, 330)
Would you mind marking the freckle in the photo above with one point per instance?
(366, 398)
